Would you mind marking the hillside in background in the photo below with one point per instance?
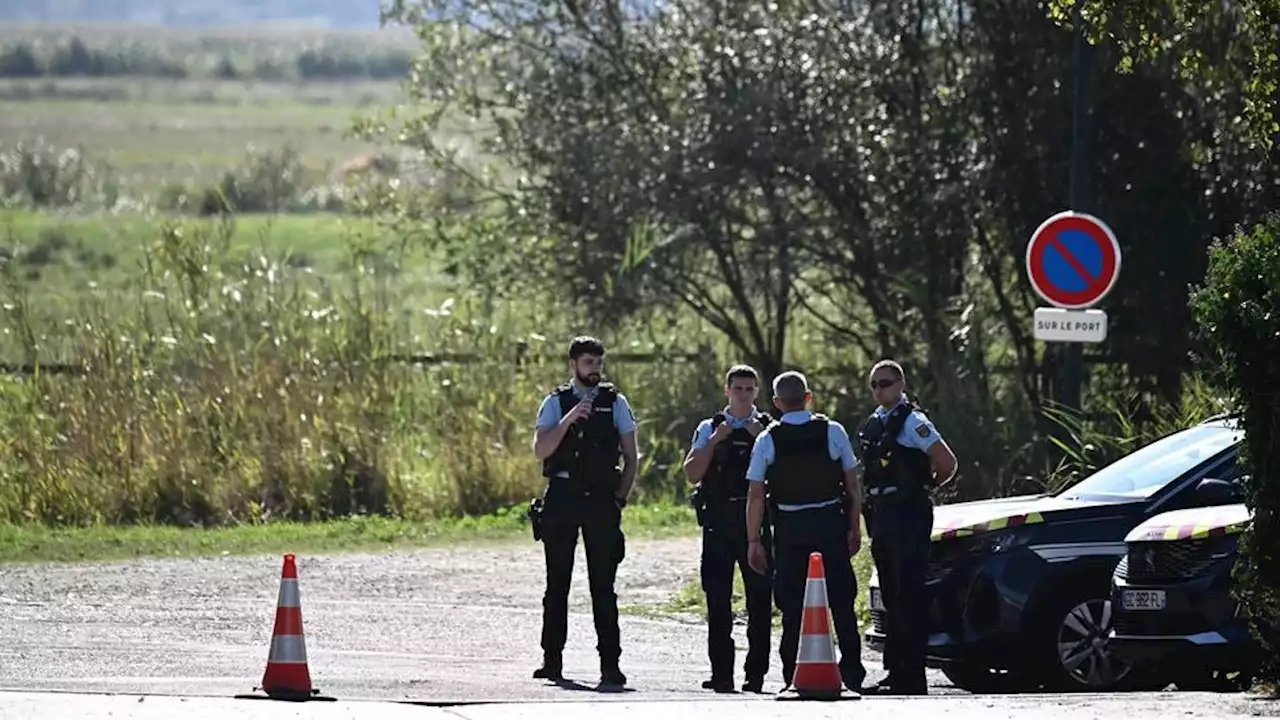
(337, 14)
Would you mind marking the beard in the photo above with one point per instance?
(590, 380)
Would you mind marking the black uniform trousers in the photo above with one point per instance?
(796, 534)
(597, 513)
(900, 540)
(724, 546)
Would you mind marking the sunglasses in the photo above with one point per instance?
(883, 383)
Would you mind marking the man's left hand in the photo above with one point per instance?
(855, 541)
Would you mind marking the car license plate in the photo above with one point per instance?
(1142, 599)
(876, 602)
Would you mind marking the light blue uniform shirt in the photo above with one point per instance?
(702, 435)
(763, 453)
(623, 419)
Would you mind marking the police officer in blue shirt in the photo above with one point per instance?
(806, 464)
(586, 439)
(903, 457)
(717, 463)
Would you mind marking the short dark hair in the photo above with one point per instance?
(741, 371)
(585, 345)
(890, 364)
(790, 387)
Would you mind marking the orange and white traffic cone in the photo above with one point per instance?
(817, 675)
(287, 676)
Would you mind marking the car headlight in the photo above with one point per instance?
(997, 542)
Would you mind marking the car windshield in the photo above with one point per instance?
(1143, 472)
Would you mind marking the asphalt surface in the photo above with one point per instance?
(439, 625)
(42, 706)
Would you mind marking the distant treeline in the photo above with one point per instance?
(70, 57)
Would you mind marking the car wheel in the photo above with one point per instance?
(1080, 657)
(980, 679)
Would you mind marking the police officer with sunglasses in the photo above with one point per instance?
(903, 459)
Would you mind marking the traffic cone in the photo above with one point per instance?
(817, 676)
(287, 676)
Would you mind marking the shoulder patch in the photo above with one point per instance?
(922, 430)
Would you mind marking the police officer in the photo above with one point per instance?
(717, 463)
(585, 427)
(805, 462)
(902, 454)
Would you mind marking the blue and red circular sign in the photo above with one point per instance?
(1073, 260)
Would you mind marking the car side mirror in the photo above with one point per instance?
(1213, 491)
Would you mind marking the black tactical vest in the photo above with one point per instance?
(591, 450)
(726, 476)
(885, 462)
(802, 471)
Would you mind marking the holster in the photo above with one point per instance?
(699, 504)
(535, 518)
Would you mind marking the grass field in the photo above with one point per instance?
(147, 133)
(60, 261)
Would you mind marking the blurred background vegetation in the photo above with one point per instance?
(273, 261)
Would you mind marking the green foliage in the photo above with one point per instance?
(1123, 423)
(231, 386)
(1238, 310)
(1190, 30)
(827, 185)
(40, 175)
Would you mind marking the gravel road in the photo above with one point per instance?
(439, 624)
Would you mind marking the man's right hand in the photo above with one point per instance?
(756, 557)
(722, 433)
(577, 412)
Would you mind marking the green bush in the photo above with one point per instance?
(1238, 311)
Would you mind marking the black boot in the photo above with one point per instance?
(610, 674)
(720, 685)
(552, 668)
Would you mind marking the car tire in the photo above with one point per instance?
(1072, 645)
(980, 679)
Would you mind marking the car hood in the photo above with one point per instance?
(1193, 524)
(973, 518)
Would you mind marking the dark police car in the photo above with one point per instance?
(1172, 598)
(1020, 588)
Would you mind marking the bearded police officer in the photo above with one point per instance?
(805, 462)
(585, 427)
(903, 457)
(717, 462)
